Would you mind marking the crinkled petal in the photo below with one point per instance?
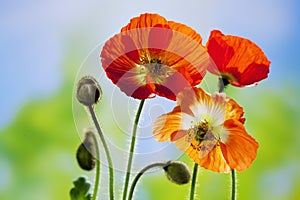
(168, 125)
(119, 56)
(144, 21)
(212, 159)
(234, 111)
(130, 84)
(159, 38)
(239, 148)
(174, 84)
(149, 31)
(150, 39)
(203, 105)
(191, 99)
(185, 30)
(187, 43)
(215, 161)
(185, 143)
(238, 58)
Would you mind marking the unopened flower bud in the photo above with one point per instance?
(86, 152)
(177, 172)
(88, 91)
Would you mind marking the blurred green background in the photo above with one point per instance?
(43, 45)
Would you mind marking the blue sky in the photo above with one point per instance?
(35, 34)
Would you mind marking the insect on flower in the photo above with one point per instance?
(209, 129)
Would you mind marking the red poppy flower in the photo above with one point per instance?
(154, 56)
(239, 61)
(209, 128)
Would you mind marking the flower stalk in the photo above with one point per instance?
(194, 179)
(132, 146)
(176, 171)
(222, 85)
(97, 179)
(107, 152)
(233, 185)
(140, 174)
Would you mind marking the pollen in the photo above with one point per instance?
(199, 130)
(154, 70)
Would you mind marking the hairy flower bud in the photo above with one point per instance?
(88, 91)
(177, 172)
(86, 152)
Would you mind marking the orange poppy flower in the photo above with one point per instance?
(154, 56)
(209, 128)
(239, 61)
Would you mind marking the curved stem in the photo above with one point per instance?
(107, 152)
(96, 186)
(138, 176)
(132, 146)
(194, 179)
(233, 185)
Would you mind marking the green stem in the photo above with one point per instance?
(96, 186)
(106, 149)
(194, 179)
(138, 176)
(223, 82)
(132, 145)
(233, 185)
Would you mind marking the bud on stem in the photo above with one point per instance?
(88, 91)
(177, 172)
(86, 152)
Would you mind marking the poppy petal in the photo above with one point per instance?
(252, 74)
(187, 144)
(172, 86)
(220, 52)
(215, 161)
(159, 37)
(151, 56)
(133, 88)
(239, 148)
(118, 56)
(145, 29)
(237, 57)
(192, 100)
(185, 30)
(187, 44)
(130, 49)
(144, 21)
(166, 126)
(234, 111)
(203, 105)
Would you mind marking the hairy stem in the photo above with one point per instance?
(233, 185)
(107, 152)
(138, 176)
(222, 85)
(132, 146)
(194, 179)
(96, 185)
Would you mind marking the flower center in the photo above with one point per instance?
(154, 71)
(199, 131)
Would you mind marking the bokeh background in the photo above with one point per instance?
(44, 43)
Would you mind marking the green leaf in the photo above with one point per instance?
(80, 190)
